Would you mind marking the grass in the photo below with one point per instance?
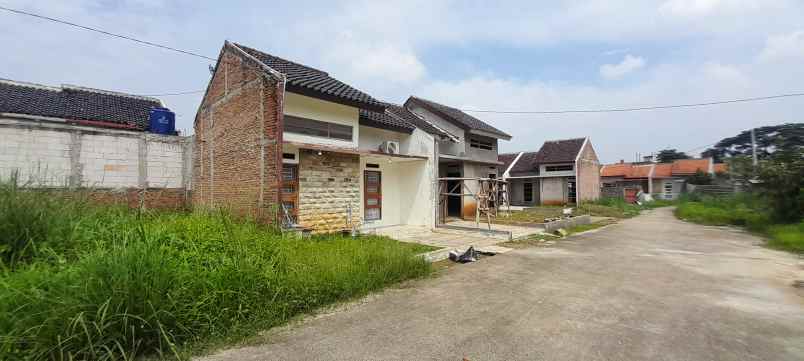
(540, 238)
(605, 207)
(84, 282)
(745, 211)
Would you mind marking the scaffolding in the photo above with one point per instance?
(490, 197)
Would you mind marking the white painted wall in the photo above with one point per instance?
(47, 153)
(569, 173)
(444, 147)
(408, 186)
(371, 138)
(321, 110)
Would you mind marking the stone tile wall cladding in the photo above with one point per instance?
(238, 143)
(328, 184)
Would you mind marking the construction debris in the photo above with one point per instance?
(471, 255)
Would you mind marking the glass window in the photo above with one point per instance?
(317, 128)
(371, 201)
(288, 173)
(558, 168)
(480, 143)
(373, 177)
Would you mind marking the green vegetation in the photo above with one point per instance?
(83, 282)
(605, 207)
(539, 238)
(753, 212)
(618, 208)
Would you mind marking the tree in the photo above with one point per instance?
(782, 181)
(669, 155)
(700, 178)
(788, 137)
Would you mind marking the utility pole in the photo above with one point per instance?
(754, 148)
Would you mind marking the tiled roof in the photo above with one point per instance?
(312, 82)
(411, 118)
(721, 167)
(615, 170)
(690, 166)
(385, 120)
(640, 171)
(559, 151)
(77, 103)
(526, 163)
(506, 159)
(457, 116)
(663, 170)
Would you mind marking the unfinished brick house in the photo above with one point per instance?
(562, 172)
(277, 139)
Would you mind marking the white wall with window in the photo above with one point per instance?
(314, 121)
(557, 170)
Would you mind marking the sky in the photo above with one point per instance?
(510, 55)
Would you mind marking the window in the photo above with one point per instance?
(481, 143)
(317, 128)
(571, 191)
(558, 168)
(668, 190)
(372, 194)
(528, 189)
(289, 156)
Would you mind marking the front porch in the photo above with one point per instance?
(329, 189)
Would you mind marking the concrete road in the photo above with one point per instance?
(648, 288)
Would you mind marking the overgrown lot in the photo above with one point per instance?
(605, 207)
(81, 282)
(745, 210)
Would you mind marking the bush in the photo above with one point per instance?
(788, 237)
(158, 283)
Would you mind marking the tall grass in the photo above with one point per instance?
(86, 282)
(745, 210)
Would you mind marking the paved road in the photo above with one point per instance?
(648, 288)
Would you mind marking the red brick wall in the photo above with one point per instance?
(238, 139)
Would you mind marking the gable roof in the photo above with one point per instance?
(90, 106)
(457, 117)
(385, 120)
(559, 151)
(678, 168)
(415, 120)
(506, 159)
(309, 81)
(526, 163)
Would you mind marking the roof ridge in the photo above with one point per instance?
(244, 47)
(108, 92)
(564, 140)
(29, 84)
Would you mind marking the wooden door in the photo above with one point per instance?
(290, 191)
(372, 195)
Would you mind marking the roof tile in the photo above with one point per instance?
(457, 116)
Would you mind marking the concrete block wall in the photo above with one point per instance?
(238, 139)
(588, 179)
(52, 154)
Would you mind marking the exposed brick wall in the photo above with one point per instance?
(238, 143)
(588, 181)
(328, 184)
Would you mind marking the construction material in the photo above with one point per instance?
(490, 197)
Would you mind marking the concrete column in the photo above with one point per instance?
(142, 162)
(76, 168)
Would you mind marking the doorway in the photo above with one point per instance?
(290, 193)
(454, 202)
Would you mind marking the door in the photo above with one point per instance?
(290, 193)
(372, 195)
(454, 202)
(571, 191)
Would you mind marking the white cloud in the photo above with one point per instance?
(365, 60)
(689, 7)
(784, 47)
(629, 64)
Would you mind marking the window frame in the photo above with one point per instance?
(479, 143)
(559, 168)
(317, 128)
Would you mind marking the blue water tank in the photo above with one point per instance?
(162, 121)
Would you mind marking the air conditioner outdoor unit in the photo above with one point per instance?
(389, 147)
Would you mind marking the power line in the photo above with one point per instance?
(169, 94)
(144, 42)
(657, 107)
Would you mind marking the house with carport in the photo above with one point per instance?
(276, 139)
(561, 172)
